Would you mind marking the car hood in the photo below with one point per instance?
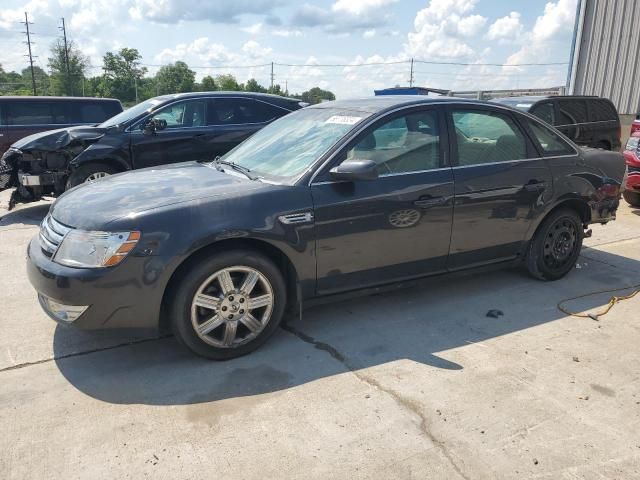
(93, 206)
(54, 140)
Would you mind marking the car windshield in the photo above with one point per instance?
(290, 145)
(131, 113)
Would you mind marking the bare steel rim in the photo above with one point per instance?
(95, 176)
(232, 307)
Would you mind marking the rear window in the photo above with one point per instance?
(602, 111)
(572, 112)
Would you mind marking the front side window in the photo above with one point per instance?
(183, 114)
(551, 143)
(409, 143)
(484, 136)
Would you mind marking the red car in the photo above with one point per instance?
(632, 178)
(635, 126)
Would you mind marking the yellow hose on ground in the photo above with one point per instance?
(612, 301)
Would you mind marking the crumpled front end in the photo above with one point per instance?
(39, 164)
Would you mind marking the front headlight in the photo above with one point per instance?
(95, 249)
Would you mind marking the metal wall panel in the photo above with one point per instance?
(607, 55)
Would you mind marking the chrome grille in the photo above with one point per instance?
(51, 235)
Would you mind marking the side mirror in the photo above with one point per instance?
(152, 125)
(352, 170)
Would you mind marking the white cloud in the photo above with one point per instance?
(344, 16)
(441, 30)
(369, 33)
(218, 11)
(506, 28)
(286, 33)
(552, 29)
(360, 7)
(254, 29)
(255, 51)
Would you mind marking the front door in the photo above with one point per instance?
(396, 226)
(500, 186)
(185, 138)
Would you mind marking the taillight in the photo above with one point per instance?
(635, 127)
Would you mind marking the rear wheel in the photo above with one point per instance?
(555, 247)
(89, 173)
(632, 198)
(229, 304)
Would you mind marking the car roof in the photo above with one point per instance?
(42, 98)
(222, 93)
(385, 102)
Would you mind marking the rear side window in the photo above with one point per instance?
(545, 112)
(238, 111)
(30, 113)
(602, 111)
(572, 112)
(550, 142)
(487, 137)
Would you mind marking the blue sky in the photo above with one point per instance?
(236, 33)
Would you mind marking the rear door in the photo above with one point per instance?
(185, 138)
(501, 185)
(234, 119)
(397, 226)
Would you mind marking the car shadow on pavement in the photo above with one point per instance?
(421, 324)
(25, 215)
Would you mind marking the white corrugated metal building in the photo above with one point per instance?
(606, 52)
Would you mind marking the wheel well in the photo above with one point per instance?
(606, 144)
(107, 161)
(283, 263)
(579, 206)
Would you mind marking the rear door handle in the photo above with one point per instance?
(535, 186)
(430, 202)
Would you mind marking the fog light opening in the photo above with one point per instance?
(59, 311)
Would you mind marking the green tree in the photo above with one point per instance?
(67, 81)
(253, 86)
(122, 71)
(208, 84)
(227, 82)
(175, 78)
(42, 82)
(316, 95)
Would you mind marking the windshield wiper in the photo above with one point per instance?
(217, 162)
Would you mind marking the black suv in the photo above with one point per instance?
(590, 121)
(332, 198)
(165, 129)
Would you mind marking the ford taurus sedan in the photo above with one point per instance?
(334, 198)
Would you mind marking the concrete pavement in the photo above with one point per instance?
(409, 384)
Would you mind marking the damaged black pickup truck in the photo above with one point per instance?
(171, 128)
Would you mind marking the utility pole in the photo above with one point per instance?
(411, 75)
(135, 81)
(28, 42)
(66, 51)
(286, 87)
(272, 76)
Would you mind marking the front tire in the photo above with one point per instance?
(555, 247)
(89, 173)
(632, 198)
(228, 304)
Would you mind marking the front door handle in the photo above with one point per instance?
(535, 186)
(430, 202)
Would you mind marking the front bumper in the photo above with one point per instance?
(126, 296)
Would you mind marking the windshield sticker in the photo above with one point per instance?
(524, 105)
(343, 120)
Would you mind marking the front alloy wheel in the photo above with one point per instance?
(232, 307)
(228, 304)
